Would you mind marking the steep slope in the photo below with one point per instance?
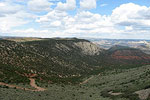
(127, 55)
(62, 60)
(52, 59)
(144, 48)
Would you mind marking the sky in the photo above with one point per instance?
(115, 19)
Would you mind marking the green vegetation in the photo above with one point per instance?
(58, 60)
(10, 74)
(98, 88)
(61, 65)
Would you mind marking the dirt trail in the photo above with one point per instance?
(32, 83)
(13, 86)
(114, 94)
(143, 94)
(86, 80)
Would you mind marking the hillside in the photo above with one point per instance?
(62, 60)
(127, 55)
(76, 66)
(144, 48)
(116, 84)
(52, 59)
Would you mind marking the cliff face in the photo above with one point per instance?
(130, 55)
(144, 48)
(127, 55)
(85, 47)
(89, 48)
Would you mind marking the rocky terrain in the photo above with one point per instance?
(143, 45)
(70, 61)
(51, 58)
(128, 55)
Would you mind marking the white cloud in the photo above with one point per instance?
(88, 4)
(122, 22)
(54, 19)
(83, 23)
(126, 21)
(56, 24)
(6, 23)
(39, 5)
(31, 32)
(132, 15)
(13, 15)
(126, 12)
(102, 5)
(6, 8)
(24, 15)
(69, 5)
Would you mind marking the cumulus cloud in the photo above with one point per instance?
(126, 21)
(132, 16)
(54, 19)
(13, 15)
(10, 21)
(56, 23)
(69, 5)
(84, 22)
(39, 5)
(6, 23)
(31, 32)
(88, 4)
(6, 8)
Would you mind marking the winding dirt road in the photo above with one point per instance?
(84, 82)
(32, 84)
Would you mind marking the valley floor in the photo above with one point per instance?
(126, 84)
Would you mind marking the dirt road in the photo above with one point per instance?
(32, 84)
(86, 80)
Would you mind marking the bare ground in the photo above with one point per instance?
(143, 94)
(32, 84)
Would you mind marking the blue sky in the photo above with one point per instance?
(112, 4)
(118, 19)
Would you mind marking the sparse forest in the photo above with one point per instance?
(73, 69)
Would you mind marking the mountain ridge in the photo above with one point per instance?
(64, 60)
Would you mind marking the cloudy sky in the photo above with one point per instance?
(125, 19)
